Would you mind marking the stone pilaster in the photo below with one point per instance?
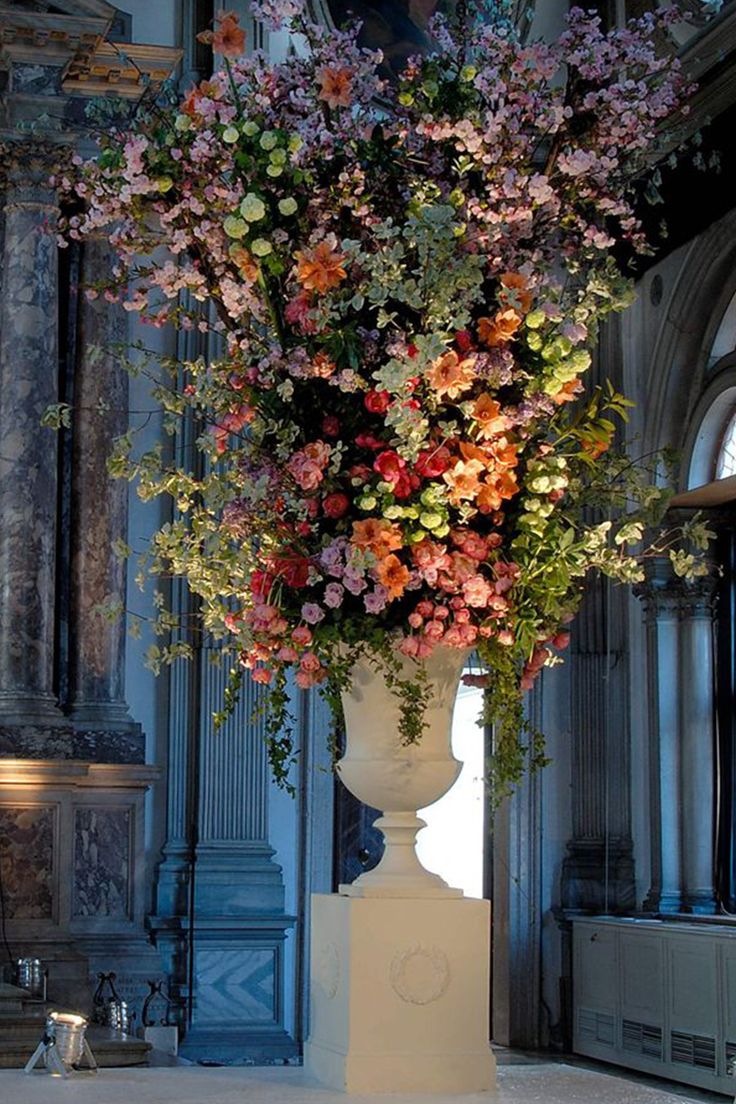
(661, 603)
(28, 452)
(220, 920)
(697, 745)
(516, 906)
(598, 871)
(681, 655)
(99, 512)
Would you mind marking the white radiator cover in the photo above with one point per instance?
(657, 996)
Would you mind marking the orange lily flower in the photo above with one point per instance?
(320, 269)
(487, 413)
(500, 329)
(335, 86)
(515, 282)
(463, 481)
(394, 575)
(450, 375)
(376, 535)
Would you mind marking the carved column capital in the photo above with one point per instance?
(667, 595)
(28, 169)
(660, 591)
(699, 598)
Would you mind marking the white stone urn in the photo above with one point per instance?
(398, 778)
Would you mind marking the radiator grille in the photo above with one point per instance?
(693, 1050)
(596, 1026)
(641, 1038)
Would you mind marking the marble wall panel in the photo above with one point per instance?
(64, 742)
(101, 862)
(235, 986)
(39, 80)
(27, 861)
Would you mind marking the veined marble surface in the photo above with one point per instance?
(523, 1084)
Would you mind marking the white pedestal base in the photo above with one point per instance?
(399, 995)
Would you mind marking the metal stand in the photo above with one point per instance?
(47, 1050)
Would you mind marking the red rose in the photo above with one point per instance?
(330, 425)
(412, 351)
(376, 401)
(360, 472)
(294, 570)
(433, 462)
(336, 504)
(369, 441)
(389, 466)
(402, 487)
(463, 341)
(261, 583)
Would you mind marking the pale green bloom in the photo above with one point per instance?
(252, 207)
(230, 135)
(535, 319)
(288, 206)
(269, 140)
(431, 521)
(235, 227)
(581, 359)
(261, 248)
(250, 128)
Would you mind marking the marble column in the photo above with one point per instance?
(220, 920)
(515, 854)
(661, 602)
(681, 655)
(697, 745)
(28, 452)
(99, 510)
(598, 871)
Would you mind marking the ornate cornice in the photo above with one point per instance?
(43, 38)
(127, 71)
(73, 51)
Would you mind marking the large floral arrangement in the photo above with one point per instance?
(407, 279)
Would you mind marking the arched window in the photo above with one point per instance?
(712, 439)
(726, 457)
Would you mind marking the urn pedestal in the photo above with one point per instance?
(399, 995)
(400, 961)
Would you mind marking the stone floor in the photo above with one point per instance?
(533, 1083)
